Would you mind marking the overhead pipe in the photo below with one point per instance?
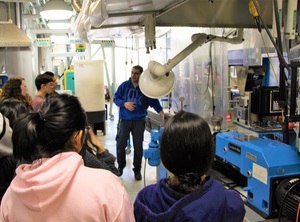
(18, 15)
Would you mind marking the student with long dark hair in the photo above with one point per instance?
(187, 151)
(10, 110)
(55, 185)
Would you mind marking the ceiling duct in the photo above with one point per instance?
(12, 36)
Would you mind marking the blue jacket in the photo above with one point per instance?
(126, 92)
(212, 202)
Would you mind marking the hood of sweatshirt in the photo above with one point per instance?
(39, 184)
(160, 203)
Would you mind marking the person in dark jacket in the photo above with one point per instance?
(133, 106)
(94, 154)
(187, 151)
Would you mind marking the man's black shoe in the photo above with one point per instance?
(120, 171)
(137, 175)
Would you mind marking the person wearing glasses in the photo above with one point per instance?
(133, 105)
(53, 184)
(54, 81)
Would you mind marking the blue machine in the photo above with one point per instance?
(153, 155)
(264, 162)
(269, 161)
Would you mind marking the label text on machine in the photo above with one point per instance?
(234, 148)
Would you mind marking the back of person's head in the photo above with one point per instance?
(12, 88)
(49, 131)
(12, 109)
(51, 74)
(186, 145)
(138, 67)
(5, 137)
(42, 79)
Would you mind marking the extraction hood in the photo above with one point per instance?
(12, 36)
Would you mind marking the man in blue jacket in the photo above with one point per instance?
(133, 106)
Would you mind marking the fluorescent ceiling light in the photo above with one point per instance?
(59, 24)
(56, 10)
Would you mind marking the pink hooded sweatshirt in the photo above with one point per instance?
(63, 189)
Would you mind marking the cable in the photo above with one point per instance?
(254, 13)
(145, 172)
(278, 27)
(172, 100)
(271, 63)
(282, 114)
(132, 50)
(280, 56)
(126, 57)
(207, 85)
(297, 217)
(211, 71)
(283, 64)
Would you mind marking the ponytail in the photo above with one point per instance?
(49, 131)
(25, 138)
(185, 183)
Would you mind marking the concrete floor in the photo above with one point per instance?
(148, 172)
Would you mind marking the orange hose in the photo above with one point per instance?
(298, 212)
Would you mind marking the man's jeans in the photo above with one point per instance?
(137, 128)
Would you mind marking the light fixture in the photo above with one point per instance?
(59, 24)
(56, 10)
(157, 81)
